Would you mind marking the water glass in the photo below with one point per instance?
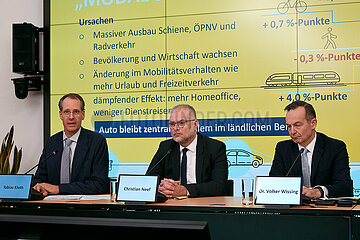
(113, 188)
(247, 191)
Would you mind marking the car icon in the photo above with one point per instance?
(110, 164)
(356, 192)
(241, 157)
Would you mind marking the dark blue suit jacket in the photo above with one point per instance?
(211, 166)
(329, 167)
(90, 164)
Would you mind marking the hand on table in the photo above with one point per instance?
(47, 188)
(172, 188)
(312, 193)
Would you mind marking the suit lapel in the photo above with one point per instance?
(199, 158)
(297, 170)
(318, 152)
(175, 162)
(80, 153)
(56, 161)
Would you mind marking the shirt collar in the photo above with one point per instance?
(311, 145)
(192, 145)
(74, 137)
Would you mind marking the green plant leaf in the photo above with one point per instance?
(6, 163)
(2, 153)
(6, 147)
(16, 161)
(6, 169)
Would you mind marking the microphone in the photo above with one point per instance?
(300, 152)
(34, 194)
(173, 143)
(50, 155)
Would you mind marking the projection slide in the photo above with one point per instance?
(239, 63)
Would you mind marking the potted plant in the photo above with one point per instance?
(6, 148)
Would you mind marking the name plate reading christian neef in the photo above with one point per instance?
(137, 188)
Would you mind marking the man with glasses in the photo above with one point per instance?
(75, 160)
(189, 164)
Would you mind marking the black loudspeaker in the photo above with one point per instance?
(25, 49)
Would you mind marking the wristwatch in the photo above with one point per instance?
(321, 191)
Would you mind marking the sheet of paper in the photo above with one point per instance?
(96, 197)
(78, 197)
(63, 197)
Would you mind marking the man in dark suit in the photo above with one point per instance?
(324, 163)
(196, 165)
(78, 158)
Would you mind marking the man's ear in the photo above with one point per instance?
(313, 123)
(196, 123)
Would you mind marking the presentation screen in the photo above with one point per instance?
(238, 63)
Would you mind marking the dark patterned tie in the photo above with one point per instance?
(183, 167)
(65, 162)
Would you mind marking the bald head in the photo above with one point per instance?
(183, 124)
(188, 109)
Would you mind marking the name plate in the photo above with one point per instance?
(278, 190)
(137, 188)
(15, 187)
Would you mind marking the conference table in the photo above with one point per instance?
(202, 218)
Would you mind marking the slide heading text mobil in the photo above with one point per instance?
(100, 3)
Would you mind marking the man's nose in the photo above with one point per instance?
(291, 131)
(176, 127)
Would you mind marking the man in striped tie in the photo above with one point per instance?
(324, 161)
(75, 160)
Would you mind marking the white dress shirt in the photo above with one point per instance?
(309, 155)
(191, 161)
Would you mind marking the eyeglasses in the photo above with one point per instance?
(180, 124)
(74, 113)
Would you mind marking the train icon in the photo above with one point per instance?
(303, 79)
